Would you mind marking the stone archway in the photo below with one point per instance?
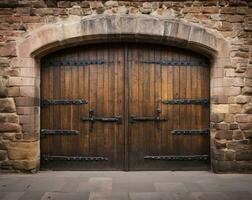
(117, 28)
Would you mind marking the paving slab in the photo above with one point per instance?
(116, 185)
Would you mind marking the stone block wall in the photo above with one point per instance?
(231, 84)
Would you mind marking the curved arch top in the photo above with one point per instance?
(100, 28)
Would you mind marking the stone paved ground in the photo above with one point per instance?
(126, 186)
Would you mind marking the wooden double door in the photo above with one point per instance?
(124, 107)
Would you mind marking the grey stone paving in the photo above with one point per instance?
(168, 185)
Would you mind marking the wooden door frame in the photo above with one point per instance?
(116, 28)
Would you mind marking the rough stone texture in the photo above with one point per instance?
(219, 29)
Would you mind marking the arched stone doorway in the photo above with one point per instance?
(118, 28)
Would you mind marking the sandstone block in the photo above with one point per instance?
(238, 145)
(232, 91)
(26, 164)
(222, 166)
(3, 155)
(21, 81)
(13, 91)
(225, 26)
(245, 126)
(145, 10)
(237, 3)
(8, 117)
(248, 73)
(239, 82)
(229, 72)
(63, 4)
(10, 127)
(229, 118)
(220, 144)
(247, 109)
(27, 101)
(229, 155)
(242, 99)
(76, 10)
(233, 126)
(3, 91)
(243, 166)
(122, 10)
(243, 118)
(7, 105)
(191, 10)
(218, 72)
(8, 49)
(22, 62)
(234, 18)
(238, 135)
(243, 155)
(228, 10)
(27, 110)
(84, 4)
(95, 4)
(221, 108)
(23, 150)
(219, 99)
(235, 108)
(222, 126)
(7, 164)
(27, 72)
(27, 91)
(111, 4)
(3, 145)
(248, 134)
(219, 154)
(100, 10)
(210, 9)
(247, 90)
(27, 119)
(217, 117)
(224, 134)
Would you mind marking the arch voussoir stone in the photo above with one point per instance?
(108, 27)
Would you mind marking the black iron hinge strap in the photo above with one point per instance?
(178, 157)
(184, 63)
(45, 132)
(79, 63)
(204, 102)
(205, 132)
(47, 102)
(156, 118)
(73, 158)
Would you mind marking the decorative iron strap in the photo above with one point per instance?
(73, 158)
(45, 132)
(178, 157)
(93, 119)
(191, 132)
(79, 63)
(204, 102)
(47, 102)
(184, 63)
